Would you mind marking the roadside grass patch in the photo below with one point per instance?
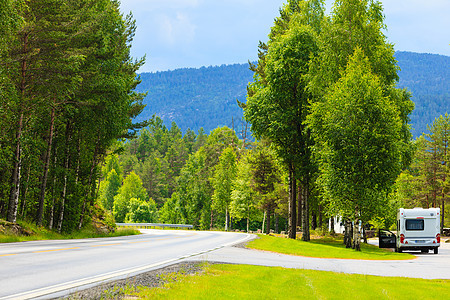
(256, 282)
(326, 247)
(31, 232)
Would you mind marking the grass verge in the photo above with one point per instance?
(326, 247)
(40, 233)
(256, 282)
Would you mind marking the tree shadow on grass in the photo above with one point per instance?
(366, 249)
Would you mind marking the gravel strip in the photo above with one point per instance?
(155, 278)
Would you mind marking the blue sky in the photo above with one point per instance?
(194, 33)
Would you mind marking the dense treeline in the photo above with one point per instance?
(206, 97)
(210, 181)
(426, 182)
(66, 88)
(165, 176)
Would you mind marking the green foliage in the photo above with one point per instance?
(425, 183)
(222, 182)
(120, 209)
(168, 213)
(129, 198)
(277, 102)
(193, 195)
(360, 139)
(359, 119)
(111, 189)
(132, 188)
(243, 202)
(141, 211)
(224, 174)
(66, 84)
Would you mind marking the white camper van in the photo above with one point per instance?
(418, 229)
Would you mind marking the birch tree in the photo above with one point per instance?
(222, 182)
(277, 102)
(361, 140)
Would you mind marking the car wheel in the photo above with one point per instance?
(436, 250)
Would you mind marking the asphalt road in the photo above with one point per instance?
(45, 269)
(49, 268)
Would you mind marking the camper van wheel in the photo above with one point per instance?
(436, 250)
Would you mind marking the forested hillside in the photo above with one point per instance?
(206, 97)
(427, 76)
(195, 98)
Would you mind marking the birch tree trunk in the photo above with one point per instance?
(299, 205)
(66, 170)
(263, 223)
(226, 218)
(91, 175)
(25, 193)
(356, 235)
(348, 233)
(15, 179)
(292, 200)
(276, 224)
(40, 212)
(52, 208)
(212, 218)
(305, 213)
(268, 221)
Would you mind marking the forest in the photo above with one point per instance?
(321, 127)
(308, 163)
(206, 97)
(67, 94)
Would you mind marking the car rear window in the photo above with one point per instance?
(414, 224)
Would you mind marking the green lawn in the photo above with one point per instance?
(325, 248)
(255, 282)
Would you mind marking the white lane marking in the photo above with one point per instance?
(80, 282)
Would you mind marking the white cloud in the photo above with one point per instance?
(176, 29)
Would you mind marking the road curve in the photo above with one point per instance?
(46, 269)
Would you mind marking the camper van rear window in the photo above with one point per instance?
(414, 224)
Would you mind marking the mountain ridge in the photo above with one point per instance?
(206, 97)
